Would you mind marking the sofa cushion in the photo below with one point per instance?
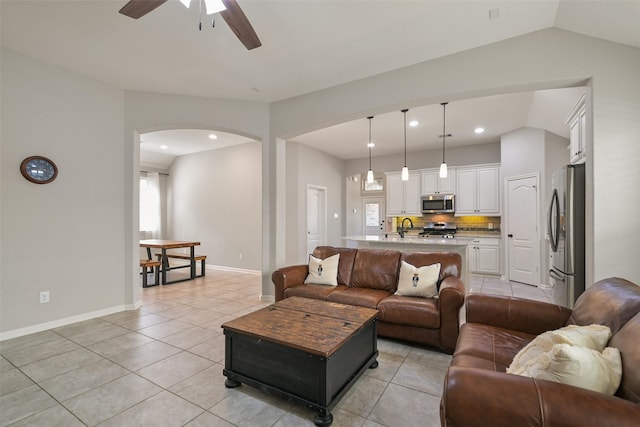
(577, 366)
(626, 340)
(611, 302)
(376, 269)
(594, 337)
(312, 291)
(414, 311)
(323, 271)
(345, 265)
(418, 281)
(450, 262)
(497, 345)
(362, 297)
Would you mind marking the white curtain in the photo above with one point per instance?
(150, 209)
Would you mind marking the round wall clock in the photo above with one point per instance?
(38, 169)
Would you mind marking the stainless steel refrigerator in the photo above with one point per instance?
(566, 225)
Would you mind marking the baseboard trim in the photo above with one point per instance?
(15, 333)
(237, 270)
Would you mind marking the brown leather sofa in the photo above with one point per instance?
(478, 391)
(369, 278)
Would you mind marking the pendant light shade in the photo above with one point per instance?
(443, 166)
(405, 170)
(370, 144)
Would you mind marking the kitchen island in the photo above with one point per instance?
(414, 243)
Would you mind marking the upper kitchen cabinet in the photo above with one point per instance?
(433, 184)
(403, 197)
(478, 190)
(577, 121)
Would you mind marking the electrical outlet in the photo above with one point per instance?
(44, 297)
(240, 256)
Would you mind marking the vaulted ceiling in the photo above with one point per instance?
(307, 45)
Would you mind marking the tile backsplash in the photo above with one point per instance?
(464, 223)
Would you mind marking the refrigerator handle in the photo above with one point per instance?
(555, 275)
(555, 205)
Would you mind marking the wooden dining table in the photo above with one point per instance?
(163, 245)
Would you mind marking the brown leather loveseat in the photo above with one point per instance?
(479, 392)
(369, 278)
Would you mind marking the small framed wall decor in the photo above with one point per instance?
(38, 169)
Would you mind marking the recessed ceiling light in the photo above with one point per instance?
(164, 147)
(478, 130)
(414, 123)
(370, 144)
(213, 136)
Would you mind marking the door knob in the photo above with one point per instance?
(509, 235)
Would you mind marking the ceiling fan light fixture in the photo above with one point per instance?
(214, 6)
(211, 6)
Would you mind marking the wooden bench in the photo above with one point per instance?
(155, 266)
(201, 258)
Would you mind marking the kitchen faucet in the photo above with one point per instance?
(402, 229)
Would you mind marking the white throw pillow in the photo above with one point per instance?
(594, 337)
(323, 271)
(418, 282)
(578, 366)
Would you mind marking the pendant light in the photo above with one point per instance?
(443, 166)
(370, 144)
(405, 170)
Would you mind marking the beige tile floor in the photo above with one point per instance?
(162, 365)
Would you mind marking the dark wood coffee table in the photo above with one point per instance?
(306, 351)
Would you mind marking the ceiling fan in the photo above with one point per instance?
(233, 15)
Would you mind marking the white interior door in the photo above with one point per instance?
(372, 216)
(316, 217)
(522, 230)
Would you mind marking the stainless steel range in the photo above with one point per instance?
(440, 230)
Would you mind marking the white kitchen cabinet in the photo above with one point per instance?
(431, 183)
(484, 255)
(577, 121)
(478, 190)
(403, 197)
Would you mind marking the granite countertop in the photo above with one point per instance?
(479, 233)
(410, 239)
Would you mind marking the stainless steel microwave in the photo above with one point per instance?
(438, 203)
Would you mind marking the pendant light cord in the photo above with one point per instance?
(405, 135)
(369, 145)
(444, 127)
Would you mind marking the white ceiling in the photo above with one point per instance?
(307, 45)
(159, 149)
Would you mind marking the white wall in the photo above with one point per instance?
(307, 166)
(528, 151)
(145, 112)
(561, 59)
(47, 110)
(216, 199)
(65, 237)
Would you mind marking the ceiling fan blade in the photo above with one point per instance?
(138, 8)
(240, 25)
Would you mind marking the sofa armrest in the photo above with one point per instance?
(475, 397)
(533, 317)
(287, 277)
(451, 299)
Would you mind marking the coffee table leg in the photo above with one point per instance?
(323, 418)
(229, 383)
(374, 365)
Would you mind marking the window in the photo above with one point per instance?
(149, 203)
